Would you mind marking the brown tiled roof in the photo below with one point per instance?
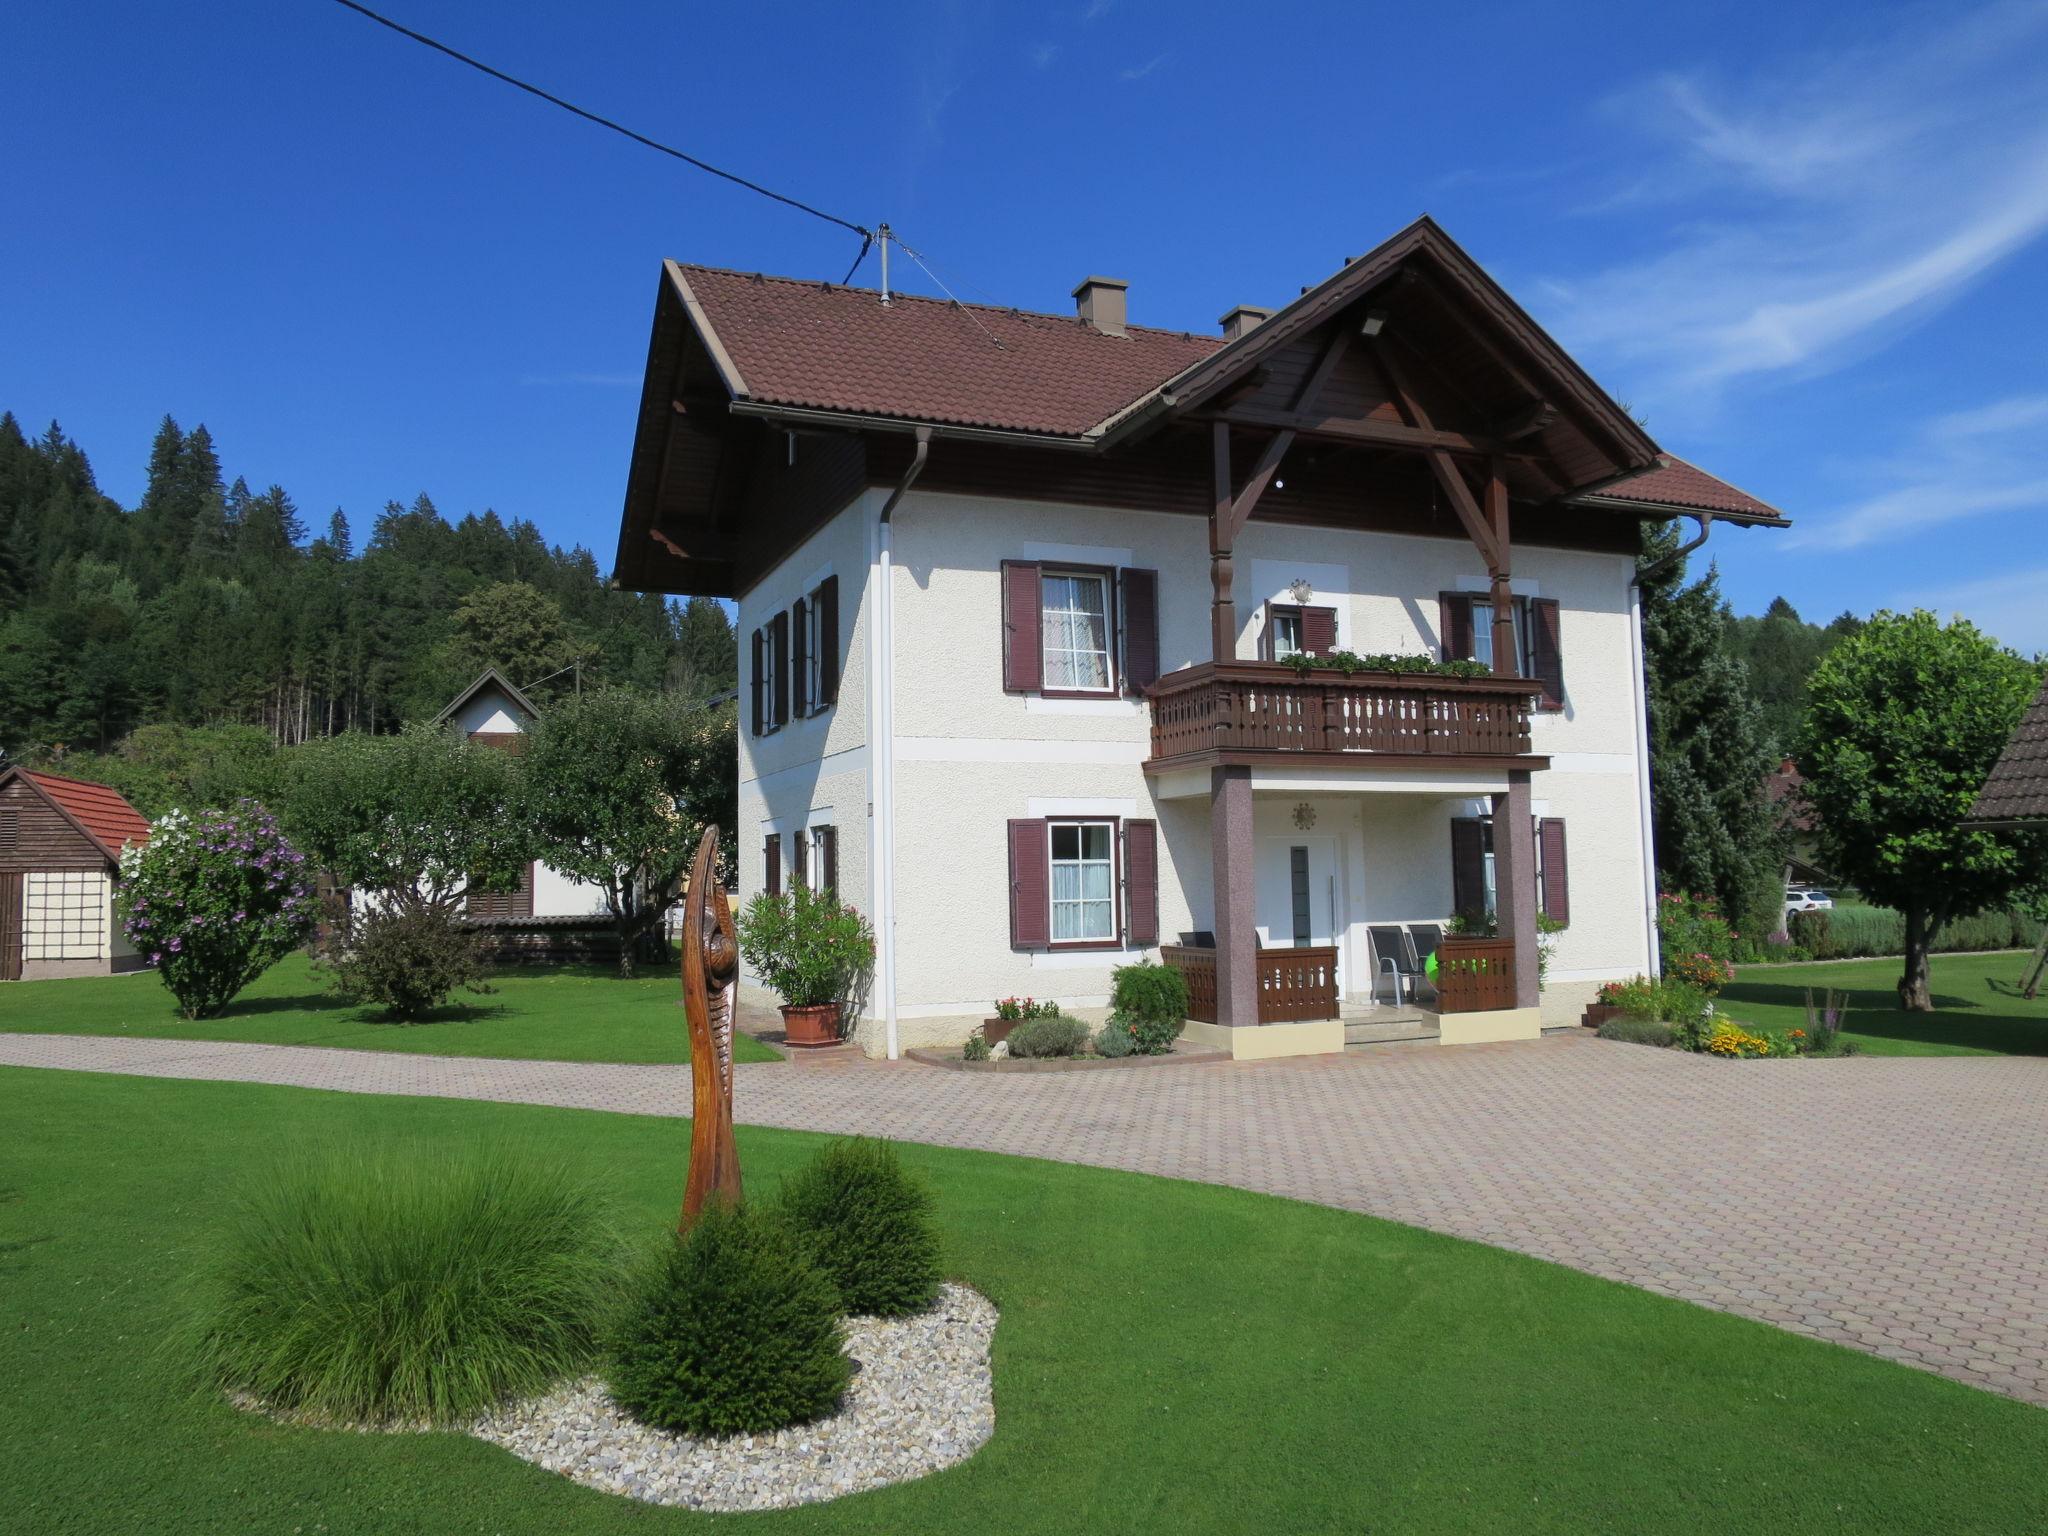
(1676, 483)
(1785, 790)
(2018, 787)
(840, 349)
(100, 810)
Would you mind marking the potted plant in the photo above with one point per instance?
(1012, 1011)
(810, 950)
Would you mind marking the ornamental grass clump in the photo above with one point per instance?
(404, 1285)
(213, 901)
(869, 1225)
(734, 1329)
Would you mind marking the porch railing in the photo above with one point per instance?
(1264, 706)
(1294, 984)
(1475, 975)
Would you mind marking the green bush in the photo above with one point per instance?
(1639, 1031)
(1814, 933)
(733, 1330)
(371, 1285)
(409, 961)
(1048, 1037)
(1862, 933)
(1151, 1003)
(869, 1225)
(806, 946)
(1114, 1039)
(976, 1048)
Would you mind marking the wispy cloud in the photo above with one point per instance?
(1095, 10)
(558, 380)
(1968, 464)
(1043, 54)
(1803, 216)
(2007, 606)
(1140, 71)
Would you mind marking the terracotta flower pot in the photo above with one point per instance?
(812, 1026)
(1597, 1014)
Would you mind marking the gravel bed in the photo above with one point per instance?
(921, 1399)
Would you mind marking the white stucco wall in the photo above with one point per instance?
(969, 757)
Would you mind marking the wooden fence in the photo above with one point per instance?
(1475, 975)
(1294, 984)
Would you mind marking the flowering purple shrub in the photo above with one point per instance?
(213, 901)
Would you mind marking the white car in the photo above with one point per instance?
(1807, 899)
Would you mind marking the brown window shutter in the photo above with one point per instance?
(1548, 653)
(1468, 867)
(1556, 892)
(799, 660)
(778, 629)
(1454, 621)
(1319, 630)
(827, 599)
(1141, 882)
(1030, 885)
(754, 682)
(771, 855)
(1023, 629)
(825, 842)
(1141, 628)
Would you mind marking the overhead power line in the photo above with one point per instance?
(604, 122)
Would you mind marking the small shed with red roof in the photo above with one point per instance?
(60, 857)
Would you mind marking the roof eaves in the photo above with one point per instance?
(112, 855)
(728, 370)
(488, 676)
(1607, 502)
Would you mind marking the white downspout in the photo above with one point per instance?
(1643, 805)
(882, 749)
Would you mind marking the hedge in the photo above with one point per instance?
(1856, 933)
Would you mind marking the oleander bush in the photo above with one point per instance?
(869, 1226)
(1150, 1002)
(1639, 1031)
(732, 1329)
(388, 1284)
(1059, 1036)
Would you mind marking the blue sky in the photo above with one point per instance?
(1804, 241)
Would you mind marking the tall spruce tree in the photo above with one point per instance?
(1709, 750)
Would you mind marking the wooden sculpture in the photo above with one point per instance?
(711, 962)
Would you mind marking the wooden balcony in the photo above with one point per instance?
(1264, 711)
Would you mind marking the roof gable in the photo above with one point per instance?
(101, 814)
(489, 680)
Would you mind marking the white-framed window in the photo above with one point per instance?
(1285, 632)
(1524, 632)
(771, 639)
(1074, 610)
(1083, 881)
(812, 651)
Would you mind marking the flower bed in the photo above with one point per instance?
(1675, 1014)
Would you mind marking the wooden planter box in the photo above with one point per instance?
(996, 1031)
(1597, 1014)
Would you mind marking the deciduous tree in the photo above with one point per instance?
(1904, 721)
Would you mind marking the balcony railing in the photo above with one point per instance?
(1236, 707)
(1294, 984)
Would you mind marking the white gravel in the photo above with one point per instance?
(920, 1400)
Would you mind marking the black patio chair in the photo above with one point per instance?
(1393, 959)
(1201, 938)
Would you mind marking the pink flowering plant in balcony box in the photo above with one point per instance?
(213, 901)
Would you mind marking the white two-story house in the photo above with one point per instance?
(1067, 642)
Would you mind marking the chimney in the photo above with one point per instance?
(1242, 319)
(1100, 301)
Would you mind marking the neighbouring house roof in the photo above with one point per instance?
(2016, 793)
(102, 814)
(490, 677)
(1782, 789)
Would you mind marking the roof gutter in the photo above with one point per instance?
(845, 421)
(1665, 509)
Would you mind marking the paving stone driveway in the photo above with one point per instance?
(1898, 1206)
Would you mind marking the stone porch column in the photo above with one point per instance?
(1230, 855)
(1514, 882)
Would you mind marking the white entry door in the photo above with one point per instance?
(1298, 897)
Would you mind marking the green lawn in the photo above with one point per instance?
(1979, 1010)
(1172, 1357)
(551, 1013)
